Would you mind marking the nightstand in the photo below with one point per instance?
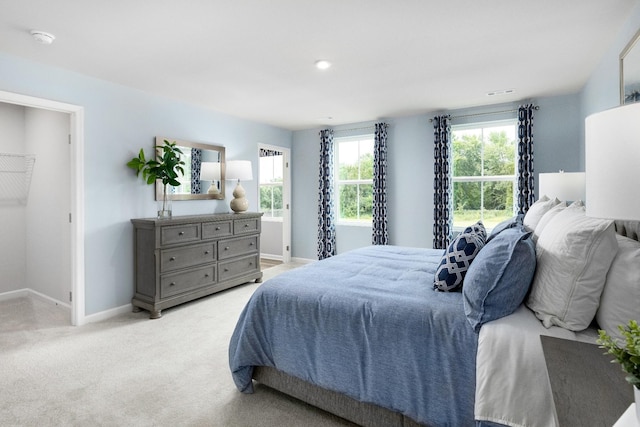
(588, 390)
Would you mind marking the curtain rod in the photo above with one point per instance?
(513, 110)
(369, 128)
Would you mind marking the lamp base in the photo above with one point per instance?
(239, 202)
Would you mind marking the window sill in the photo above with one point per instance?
(354, 224)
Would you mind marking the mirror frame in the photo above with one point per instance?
(189, 144)
(629, 66)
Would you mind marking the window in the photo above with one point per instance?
(484, 172)
(354, 179)
(271, 179)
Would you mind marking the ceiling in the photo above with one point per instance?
(254, 59)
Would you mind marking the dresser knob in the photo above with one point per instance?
(226, 248)
(172, 284)
(181, 233)
(246, 225)
(172, 258)
(251, 244)
(206, 275)
(226, 269)
(217, 228)
(206, 252)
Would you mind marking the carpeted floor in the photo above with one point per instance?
(132, 371)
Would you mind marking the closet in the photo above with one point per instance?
(35, 200)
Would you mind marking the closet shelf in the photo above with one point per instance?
(15, 177)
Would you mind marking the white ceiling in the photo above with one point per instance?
(255, 58)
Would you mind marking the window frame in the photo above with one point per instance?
(272, 185)
(482, 179)
(337, 181)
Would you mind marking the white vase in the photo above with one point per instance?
(636, 395)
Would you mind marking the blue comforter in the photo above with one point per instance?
(367, 324)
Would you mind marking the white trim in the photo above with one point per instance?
(76, 113)
(108, 314)
(271, 257)
(28, 292)
(14, 294)
(303, 260)
(286, 197)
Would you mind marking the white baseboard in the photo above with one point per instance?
(303, 260)
(14, 294)
(107, 314)
(48, 299)
(271, 256)
(27, 292)
(96, 317)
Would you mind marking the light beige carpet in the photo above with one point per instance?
(132, 371)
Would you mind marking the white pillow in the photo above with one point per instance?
(546, 218)
(620, 301)
(536, 212)
(573, 255)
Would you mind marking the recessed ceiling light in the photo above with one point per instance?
(501, 92)
(42, 36)
(322, 64)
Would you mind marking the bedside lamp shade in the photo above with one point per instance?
(210, 171)
(565, 186)
(612, 156)
(239, 170)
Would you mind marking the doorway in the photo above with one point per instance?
(74, 235)
(274, 189)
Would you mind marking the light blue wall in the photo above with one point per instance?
(118, 122)
(410, 172)
(602, 90)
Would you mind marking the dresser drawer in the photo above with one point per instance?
(230, 269)
(217, 229)
(174, 259)
(176, 283)
(234, 247)
(243, 226)
(179, 234)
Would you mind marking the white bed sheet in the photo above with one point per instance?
(512, 385)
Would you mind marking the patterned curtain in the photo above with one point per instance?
(442, 185)
(380, 230)
(326, 214)
(196, 161)
(526, 195)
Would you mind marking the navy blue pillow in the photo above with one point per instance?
(458, 257)
(500, 276)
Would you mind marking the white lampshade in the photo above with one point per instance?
(239, 170)
(565, 186)
(612, 155)
(210, 171)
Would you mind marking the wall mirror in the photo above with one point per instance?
(630, 71)
(203, 171)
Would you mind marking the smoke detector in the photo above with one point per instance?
(43, 37)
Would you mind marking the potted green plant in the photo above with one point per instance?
(627, 354)
(167, 167)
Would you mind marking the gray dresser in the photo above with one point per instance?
(187, 257)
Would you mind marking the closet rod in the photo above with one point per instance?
(513, 110)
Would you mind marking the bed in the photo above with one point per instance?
(365, 335)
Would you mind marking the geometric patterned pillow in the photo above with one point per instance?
(458, 257)
(479, 229)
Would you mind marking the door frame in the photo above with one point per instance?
(286, 197)
(76, 209)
